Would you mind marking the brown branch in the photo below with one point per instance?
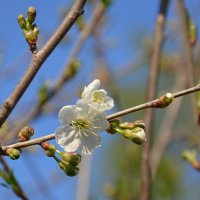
(188, 58)
(150, 104)
(88, 29)
(151, 93)
(166, 128)
(39, 58)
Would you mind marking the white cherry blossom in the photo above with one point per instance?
(80, 127)
(95, 97)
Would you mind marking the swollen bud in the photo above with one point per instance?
(138, 136)
(31, 13)
(71, 170)
(164, 101)
(48, 147)
(50, 153)
(25, 134)
(13, 153)
(131, 125)
(21, 21)
(72, 159)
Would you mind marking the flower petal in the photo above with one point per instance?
(89, 143)
(67, 114)
(91, 87)
(99, 122)
(67, 138)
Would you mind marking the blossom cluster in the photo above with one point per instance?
(81, 123)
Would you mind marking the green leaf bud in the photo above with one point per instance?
(13, 153)
(25, 133)
(31, 13)
(164, 101)
(36, 30)
(21, 21)
(72, 70)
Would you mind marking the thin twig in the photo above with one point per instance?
(39, 58)
(188, 58)
(16, 186)
(151, 93)
(150, 104)
(166, 128)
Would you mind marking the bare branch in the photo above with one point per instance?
(151, 93)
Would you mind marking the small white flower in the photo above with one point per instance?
(95, 97)
(80, 127)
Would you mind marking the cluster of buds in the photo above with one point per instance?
(164, 101)
(68, 161)
(25, 134)
(14, 154)
(135, 131)
(191, 157)
(29, 29)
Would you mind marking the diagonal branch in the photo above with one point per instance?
(150, 104)
(39, 58)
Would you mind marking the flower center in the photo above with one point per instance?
(81, 124)
(97, 97)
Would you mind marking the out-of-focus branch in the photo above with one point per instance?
(150, 104)
(188, 57)
(97, 15)
(151, 93)
(39, 58)
(15, 185)
(166, 128)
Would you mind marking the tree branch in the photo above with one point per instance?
(39, 58)
(151, 93)
(150, 104)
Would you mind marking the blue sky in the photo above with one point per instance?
(123, 19)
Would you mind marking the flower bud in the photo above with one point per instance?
(62, 165)
(31, 13)
(48, 147)
(30, 36)
(131, 125)
(72, 158)
(71, 170)
(164, 100)
(113, 125)
(50, 153)
(21, 21)
(36, 30)
(25, 133)
(13, 153)
(138, 136)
